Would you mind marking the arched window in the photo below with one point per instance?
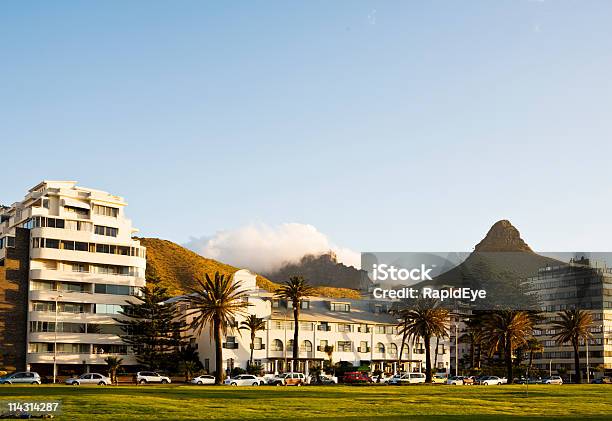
(393, 350)
(406, 351)
(306, 346)
(380, 348)
(290, 345)
(277, 345)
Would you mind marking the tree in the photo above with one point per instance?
(506, 330)
(153, 328)
(574, 326)
(253, 324)
(113, 364)
(534, 347)
(295, 290)
(425, 320)
(215, 303)
(189, 368)
(329, 350)
(474, 335)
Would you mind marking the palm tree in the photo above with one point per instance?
(253, 324)
(189, 367)
(425, 320)
(475, 336)
(113, 364)
(506, 330)
(329, 350)
(295, 290)
(534, 347)
(216, 302)
(575, 325)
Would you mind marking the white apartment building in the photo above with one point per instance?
(82, 266)
(360, 331)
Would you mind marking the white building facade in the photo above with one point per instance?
(83, 266)
(360, 332)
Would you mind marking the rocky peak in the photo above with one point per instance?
(502, 237)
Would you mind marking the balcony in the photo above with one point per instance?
(230, 345)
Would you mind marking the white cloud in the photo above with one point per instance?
(265, 249)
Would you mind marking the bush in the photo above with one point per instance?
(236, 371)
(256, 369)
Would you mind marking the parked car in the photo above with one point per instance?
(530, 380)
(488, 380)
(245, 380)
(409, 378)
(20, 377)
(460, 380)
(602, 380)
(203, 379)
(552, 380)
(327, 379)
(383, 378)
(440, 378)
(89, 378)
(356, 377)
(144, 377)
(288, 379)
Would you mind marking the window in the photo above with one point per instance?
(345, 346)
(306, 326)
(275, 303)
(324, 326)
(322, 345)
(380, 329)
(380, 348)
(345, 327)
(107, 231)
(258, 344)
(277, 345)
(363, 347)
(305, 304)
(306, 346)
(342, 307)
(393, 350)
(51, 243)
(112, 289)
(290, 345)
(105, 211)
(108, 308)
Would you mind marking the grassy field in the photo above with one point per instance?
(323, 402)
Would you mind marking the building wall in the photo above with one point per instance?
(14, 303)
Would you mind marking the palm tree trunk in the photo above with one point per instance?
(530, 361)
(508, 358)
(219, 375)
(296, 345)
(577, 362)
(472, 353)
(399, 357)
(427, 340)
(435, 364)
(252, 348)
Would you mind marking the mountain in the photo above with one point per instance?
(177, 268)
(499, 264)
(323, 269)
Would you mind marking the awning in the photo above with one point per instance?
(76, 204)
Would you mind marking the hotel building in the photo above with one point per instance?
(581, 284)
(68, 263)
(360, 332)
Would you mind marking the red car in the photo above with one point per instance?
(356, 377)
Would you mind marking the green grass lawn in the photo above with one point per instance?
(323, 402)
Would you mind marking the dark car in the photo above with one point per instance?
(356, 377)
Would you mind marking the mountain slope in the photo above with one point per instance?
(177, 268)
(324, 270)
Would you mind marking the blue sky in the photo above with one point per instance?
(396, 126)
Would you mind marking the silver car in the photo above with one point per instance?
(21, 377)
(89, 378)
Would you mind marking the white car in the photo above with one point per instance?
(144, 377)
(490, 380)
(27, 377)
(553, 380)
(245, 380)
(382, 379)
(203, 379)
(455, 380)
(409, 378)
(89, 378)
